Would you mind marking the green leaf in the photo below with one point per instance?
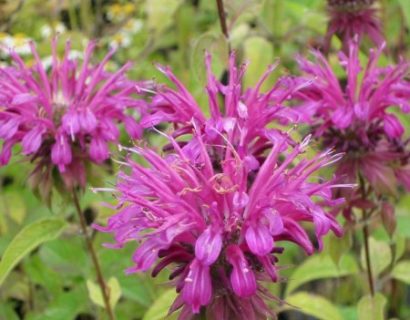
(380, 256)
(337, 247)
(95, 293)
(259, 53)
(321, 267)
(159, 309)
(405, 5)
(314, 305)
(160, 13)
(215, 45)
(402, 271)
(7, 312)
(66, 305)
(371, 308)
(67, 257)
(40, 273)
(403, 219)
(14, 206)
(348, 313)
(28, 239)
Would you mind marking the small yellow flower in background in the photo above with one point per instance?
(123, 37)
(118, 12)
(120, 40)
(133, 26)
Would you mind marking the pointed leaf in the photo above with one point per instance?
(321, 267)
(371, 308)
(95, 293)
(380, 256)
(402, 271)
(160, 307)
(28, 239)
(314, 305)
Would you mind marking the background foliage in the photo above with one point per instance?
(45, 272)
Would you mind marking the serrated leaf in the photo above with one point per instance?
(321, 267)
(159, 309)
(314, 305)
(401, 271)
(28, 239)
(380, 256)
(95, 293)
(371, 308)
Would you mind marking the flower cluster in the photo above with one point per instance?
(357, 117)
(351, 18)
(215, 205)
(64, 116)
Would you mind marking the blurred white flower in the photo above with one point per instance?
(120, 39)
(123, 37)
(18, 42)
(133, 26)
(50, 30)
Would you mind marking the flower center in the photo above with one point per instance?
(60, 105)
(354, 141)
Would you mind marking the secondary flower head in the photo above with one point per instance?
(65, 116)
(353, 18)
(216, 203)
(357, 117)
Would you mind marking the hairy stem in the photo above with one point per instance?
(367, 253)
(94, 258)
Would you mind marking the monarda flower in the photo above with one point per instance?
(64, 117)
(243, 116)
(357, 116)
(213, 212)
(350, 19)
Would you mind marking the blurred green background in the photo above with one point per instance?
(56, 280)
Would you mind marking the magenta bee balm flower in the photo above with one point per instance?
(358, 116)
(216, 204)
(351, 18)
(66, 116)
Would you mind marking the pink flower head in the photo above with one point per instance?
(357, 117)
(214, 214)
(243, 116)
(64, 116)
(353, 18)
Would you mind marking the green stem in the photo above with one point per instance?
(367, 254)
(96, 263)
